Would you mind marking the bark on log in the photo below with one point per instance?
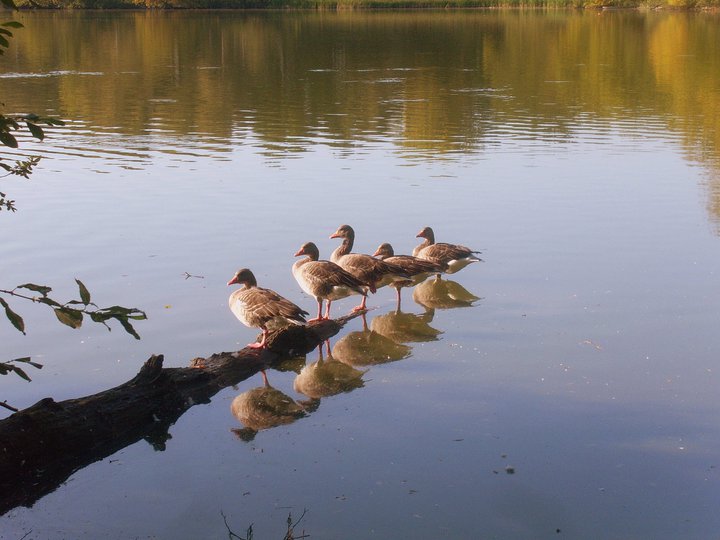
(41, 446)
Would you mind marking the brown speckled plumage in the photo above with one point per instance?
(324, 280)
(452, 257)
(256, 307)
(372, 272)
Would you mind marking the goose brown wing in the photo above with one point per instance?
(413, 265)
(323, 276)
(368, 269)
(265, 305)
(446, 252)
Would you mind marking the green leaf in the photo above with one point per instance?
(128, 327)
(70, 317)
(20, 372)
(84, 293)
(8, 140)
(99, 316)
(5, 32)
(36, 131)
(28, 360)
(48, 301)
(11, 24)
(42, 289)
(4, 42)
(15, 319)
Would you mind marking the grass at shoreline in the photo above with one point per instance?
(368, 4)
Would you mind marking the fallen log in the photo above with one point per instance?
(41, 446)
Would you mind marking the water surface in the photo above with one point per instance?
(566, 387)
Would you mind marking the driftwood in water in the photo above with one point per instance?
(41, 446)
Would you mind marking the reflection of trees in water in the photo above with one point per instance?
(327, 377)
(209, 88)
(214, 81)
(265, 407)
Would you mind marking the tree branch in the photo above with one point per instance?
(41, 446)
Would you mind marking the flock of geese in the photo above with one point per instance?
(386, 339)
(345, 274)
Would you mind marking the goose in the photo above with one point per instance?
(453, 257)
(324, 280)
(374, 273)
(256, 307)
(417, 269)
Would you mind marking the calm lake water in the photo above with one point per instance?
(567, 387)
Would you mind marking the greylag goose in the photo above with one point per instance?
(453, 257)
(417, 269)
(370, 271)
(256, 307)
(324, 280)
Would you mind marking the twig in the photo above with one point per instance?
(290, 535)
(13, 293)
(231, 534)
(13, 409)
(187, 276)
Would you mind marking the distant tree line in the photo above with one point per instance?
(361, 4)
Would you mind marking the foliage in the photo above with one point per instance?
(8, 124)
(72, 312)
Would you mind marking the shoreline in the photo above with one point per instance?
(686, 6)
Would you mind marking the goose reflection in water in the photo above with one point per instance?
(406, 327)
(443, 294)
(327, 377)
(368, 348)
(265, 407)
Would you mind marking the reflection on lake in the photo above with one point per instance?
(579, 151)
(443, 294)
(327, 377)
(366, 348)
(405, 327)
(264, 407)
